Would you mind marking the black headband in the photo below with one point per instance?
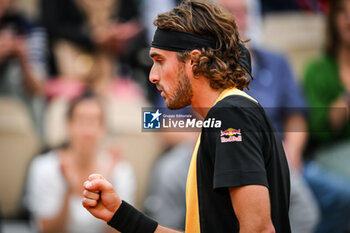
(179, 41)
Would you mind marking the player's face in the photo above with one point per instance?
(343, 22)
(170, 77)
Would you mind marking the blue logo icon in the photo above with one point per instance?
(151, 120)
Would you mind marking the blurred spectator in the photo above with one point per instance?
(89, 25)
(22, 66)
(55, 179)
(327, 82)
(275, 87)
(88, 36)
(91, 42)
(327, 88)
(13, 40)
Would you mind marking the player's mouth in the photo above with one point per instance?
(162, 91)
(159, 88)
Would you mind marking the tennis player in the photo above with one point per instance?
(238, 179)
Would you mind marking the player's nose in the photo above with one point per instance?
(154, 76)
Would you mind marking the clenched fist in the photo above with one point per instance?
(100, 199)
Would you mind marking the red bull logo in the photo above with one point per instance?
(231, 135)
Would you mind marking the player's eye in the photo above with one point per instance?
(159, 60)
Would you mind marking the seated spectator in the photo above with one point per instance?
(14, 30)
(327, 85)
(55, 179)
(22, 67)
(91, 40)
(327, 88)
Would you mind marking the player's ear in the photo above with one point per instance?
(194, 59)
(194, 56)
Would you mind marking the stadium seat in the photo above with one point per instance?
(18, 144)
(299, 35)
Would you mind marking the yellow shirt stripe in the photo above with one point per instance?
(192, 214)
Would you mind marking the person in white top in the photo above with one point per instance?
(55, 179)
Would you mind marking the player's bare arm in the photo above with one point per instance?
(251, 204)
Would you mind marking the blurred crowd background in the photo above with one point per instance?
(74, 79)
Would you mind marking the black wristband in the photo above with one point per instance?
(127, 219)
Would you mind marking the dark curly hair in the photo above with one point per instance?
(220, 65)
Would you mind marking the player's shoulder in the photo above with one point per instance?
(234, 103)
(237, 101)
(237, 111)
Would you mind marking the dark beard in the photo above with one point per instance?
(183, 93)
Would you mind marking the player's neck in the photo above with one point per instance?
(204, 98)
